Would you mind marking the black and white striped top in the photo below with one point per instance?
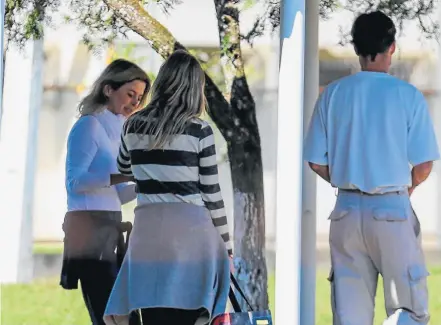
(184, 170)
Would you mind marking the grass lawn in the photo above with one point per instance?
(48, 248)
(45, 303)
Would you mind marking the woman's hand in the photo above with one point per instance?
(119, 178)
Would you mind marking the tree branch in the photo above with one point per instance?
(401, 12)
(133, 14)
(241, 99)
(141, 22)
(229, 36)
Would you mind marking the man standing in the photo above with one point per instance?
(366, 131)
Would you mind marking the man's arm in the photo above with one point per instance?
(315, 150)
(422, 146)
(419, 174)
(322, 171)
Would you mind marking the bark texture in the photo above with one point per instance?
(245, 160)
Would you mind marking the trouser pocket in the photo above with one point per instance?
(417, 227)
(419, 294)
(331, 279)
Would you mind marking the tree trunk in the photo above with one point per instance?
(238, 125)
(163, 42)
(245, 161)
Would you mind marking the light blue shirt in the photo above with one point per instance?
(370, 128)
(92, 150)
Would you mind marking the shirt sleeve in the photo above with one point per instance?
(315, 148)
(421, 140)
(126, 192)
(123, 161)
(81, 150)
(209, 184)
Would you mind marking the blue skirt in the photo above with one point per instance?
(176, 258)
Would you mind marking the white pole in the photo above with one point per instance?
(309, 227)
(436, 118)
(23, 89)
(35, 103)
(289, 164)
(2, 41)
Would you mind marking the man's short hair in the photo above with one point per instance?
(373, 33)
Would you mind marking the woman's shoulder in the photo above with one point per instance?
(200, 127)
(200, 122)
(87, 124)
(86, 120)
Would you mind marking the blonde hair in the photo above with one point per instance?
(115, 75)
(177, 97)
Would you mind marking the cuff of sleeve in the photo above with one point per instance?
(318, 161)
(421, 160)
(126, 192)
(105, 180)
(95, 180)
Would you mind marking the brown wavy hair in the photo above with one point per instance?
(116, 74)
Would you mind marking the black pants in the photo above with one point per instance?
(97, 279)
(166, 316)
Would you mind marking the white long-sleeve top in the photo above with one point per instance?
(92, 151)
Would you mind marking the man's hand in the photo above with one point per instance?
(322, 171)
(419, 174)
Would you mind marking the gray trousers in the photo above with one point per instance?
(372, 235)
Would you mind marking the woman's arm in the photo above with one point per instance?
(209, 185)
(82, 146)
(123, 161)
(126, 192)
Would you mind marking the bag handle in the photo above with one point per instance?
(233, 298)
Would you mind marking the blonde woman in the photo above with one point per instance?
(95, 188)
(176, 270)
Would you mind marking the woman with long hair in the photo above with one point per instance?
(95, 188)
(176, 270)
